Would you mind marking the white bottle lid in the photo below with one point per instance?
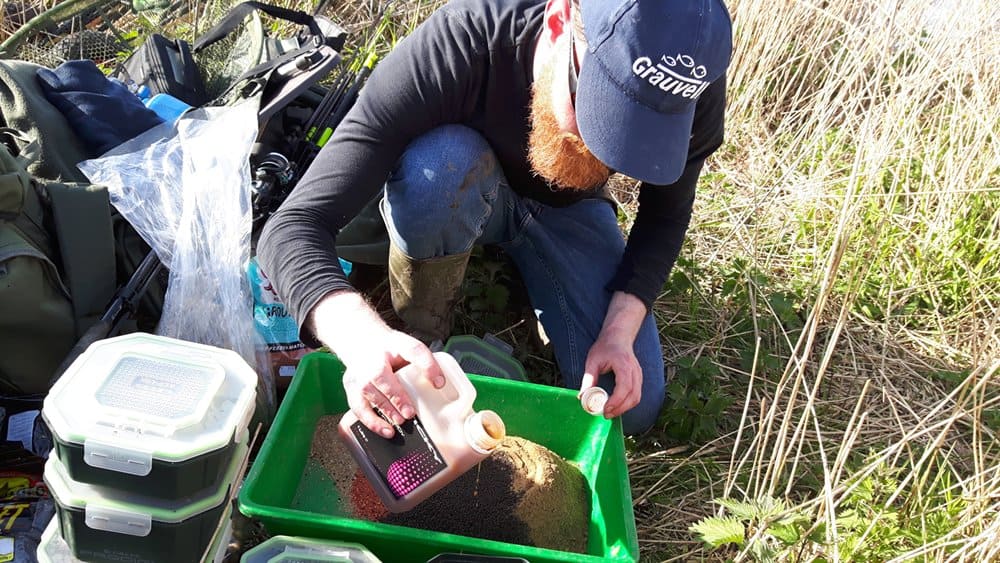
(593, 400)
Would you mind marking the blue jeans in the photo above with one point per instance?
(449, 193)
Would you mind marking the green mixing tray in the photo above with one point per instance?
(290, 498)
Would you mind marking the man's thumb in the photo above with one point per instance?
(589, 379)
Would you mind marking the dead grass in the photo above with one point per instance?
(862, 170)
(862, 138)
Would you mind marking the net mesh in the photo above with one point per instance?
(108, 31)
(96, 32)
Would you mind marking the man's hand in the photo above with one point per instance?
(613, 351)
(372, 353)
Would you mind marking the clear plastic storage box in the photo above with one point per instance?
(104, 524)
(306, 550)
(150, 414)
(53, 549)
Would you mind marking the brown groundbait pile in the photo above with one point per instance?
(522, 494)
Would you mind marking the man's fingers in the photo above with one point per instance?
(634, 395)
(624, 396)
(366, 414)
(375, 385)
(412, 351)
(628, 389)
(618, 398)
(388, 395)
(589, 379)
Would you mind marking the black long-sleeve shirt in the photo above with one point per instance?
(470, 63)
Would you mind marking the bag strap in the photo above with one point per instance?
(19, 200)
(231, 21)
(27, 149)
(81, 219)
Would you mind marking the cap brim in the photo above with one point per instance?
(628, 136)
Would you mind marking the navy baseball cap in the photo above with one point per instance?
(646, 66)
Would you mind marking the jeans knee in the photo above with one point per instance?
(442, 177)
(642, 417)
(445, 160)
(441, 192)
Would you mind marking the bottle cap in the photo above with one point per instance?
(484, 430)
(593, 400)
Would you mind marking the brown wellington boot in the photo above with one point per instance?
(424, 292)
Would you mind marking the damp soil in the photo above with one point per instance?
(522, 494)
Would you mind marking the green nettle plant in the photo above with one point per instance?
(837, 291)
(488, 303)
(882, 517)
(765, 528)
(694, 404)
(765, 320)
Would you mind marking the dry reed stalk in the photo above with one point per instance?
(863, 136)
(837, 111)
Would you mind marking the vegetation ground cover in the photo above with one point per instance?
(831, 328)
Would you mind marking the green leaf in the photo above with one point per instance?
(676, 390)
(788, 534)
(705, 367)
(818, 534)
(729, 287)
(497, 296)
(763, 553)
(742, 509)
(679, 283)
(953, 378)
(478, 304)
(768, 507)
(716, 404)
(717, 531)
(849, 520)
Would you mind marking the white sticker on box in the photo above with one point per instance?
(20, 427)
(6, 549)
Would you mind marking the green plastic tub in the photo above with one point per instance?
(276, 492)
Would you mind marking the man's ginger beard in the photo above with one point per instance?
(559, 157)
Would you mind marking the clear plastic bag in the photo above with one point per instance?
(185, 187)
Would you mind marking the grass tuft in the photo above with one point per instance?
(831, 327)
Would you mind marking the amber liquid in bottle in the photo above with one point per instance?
(445, 439)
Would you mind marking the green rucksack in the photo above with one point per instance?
(57, 269)
(63, 249)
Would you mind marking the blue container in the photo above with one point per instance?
(167, 107)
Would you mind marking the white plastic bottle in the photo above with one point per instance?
(445, 439)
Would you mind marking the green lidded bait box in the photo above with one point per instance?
(53, 549)
(485, 356)
(289, 499)
(151, 415)
(103, 524)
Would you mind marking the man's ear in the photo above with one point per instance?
(557, 18)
